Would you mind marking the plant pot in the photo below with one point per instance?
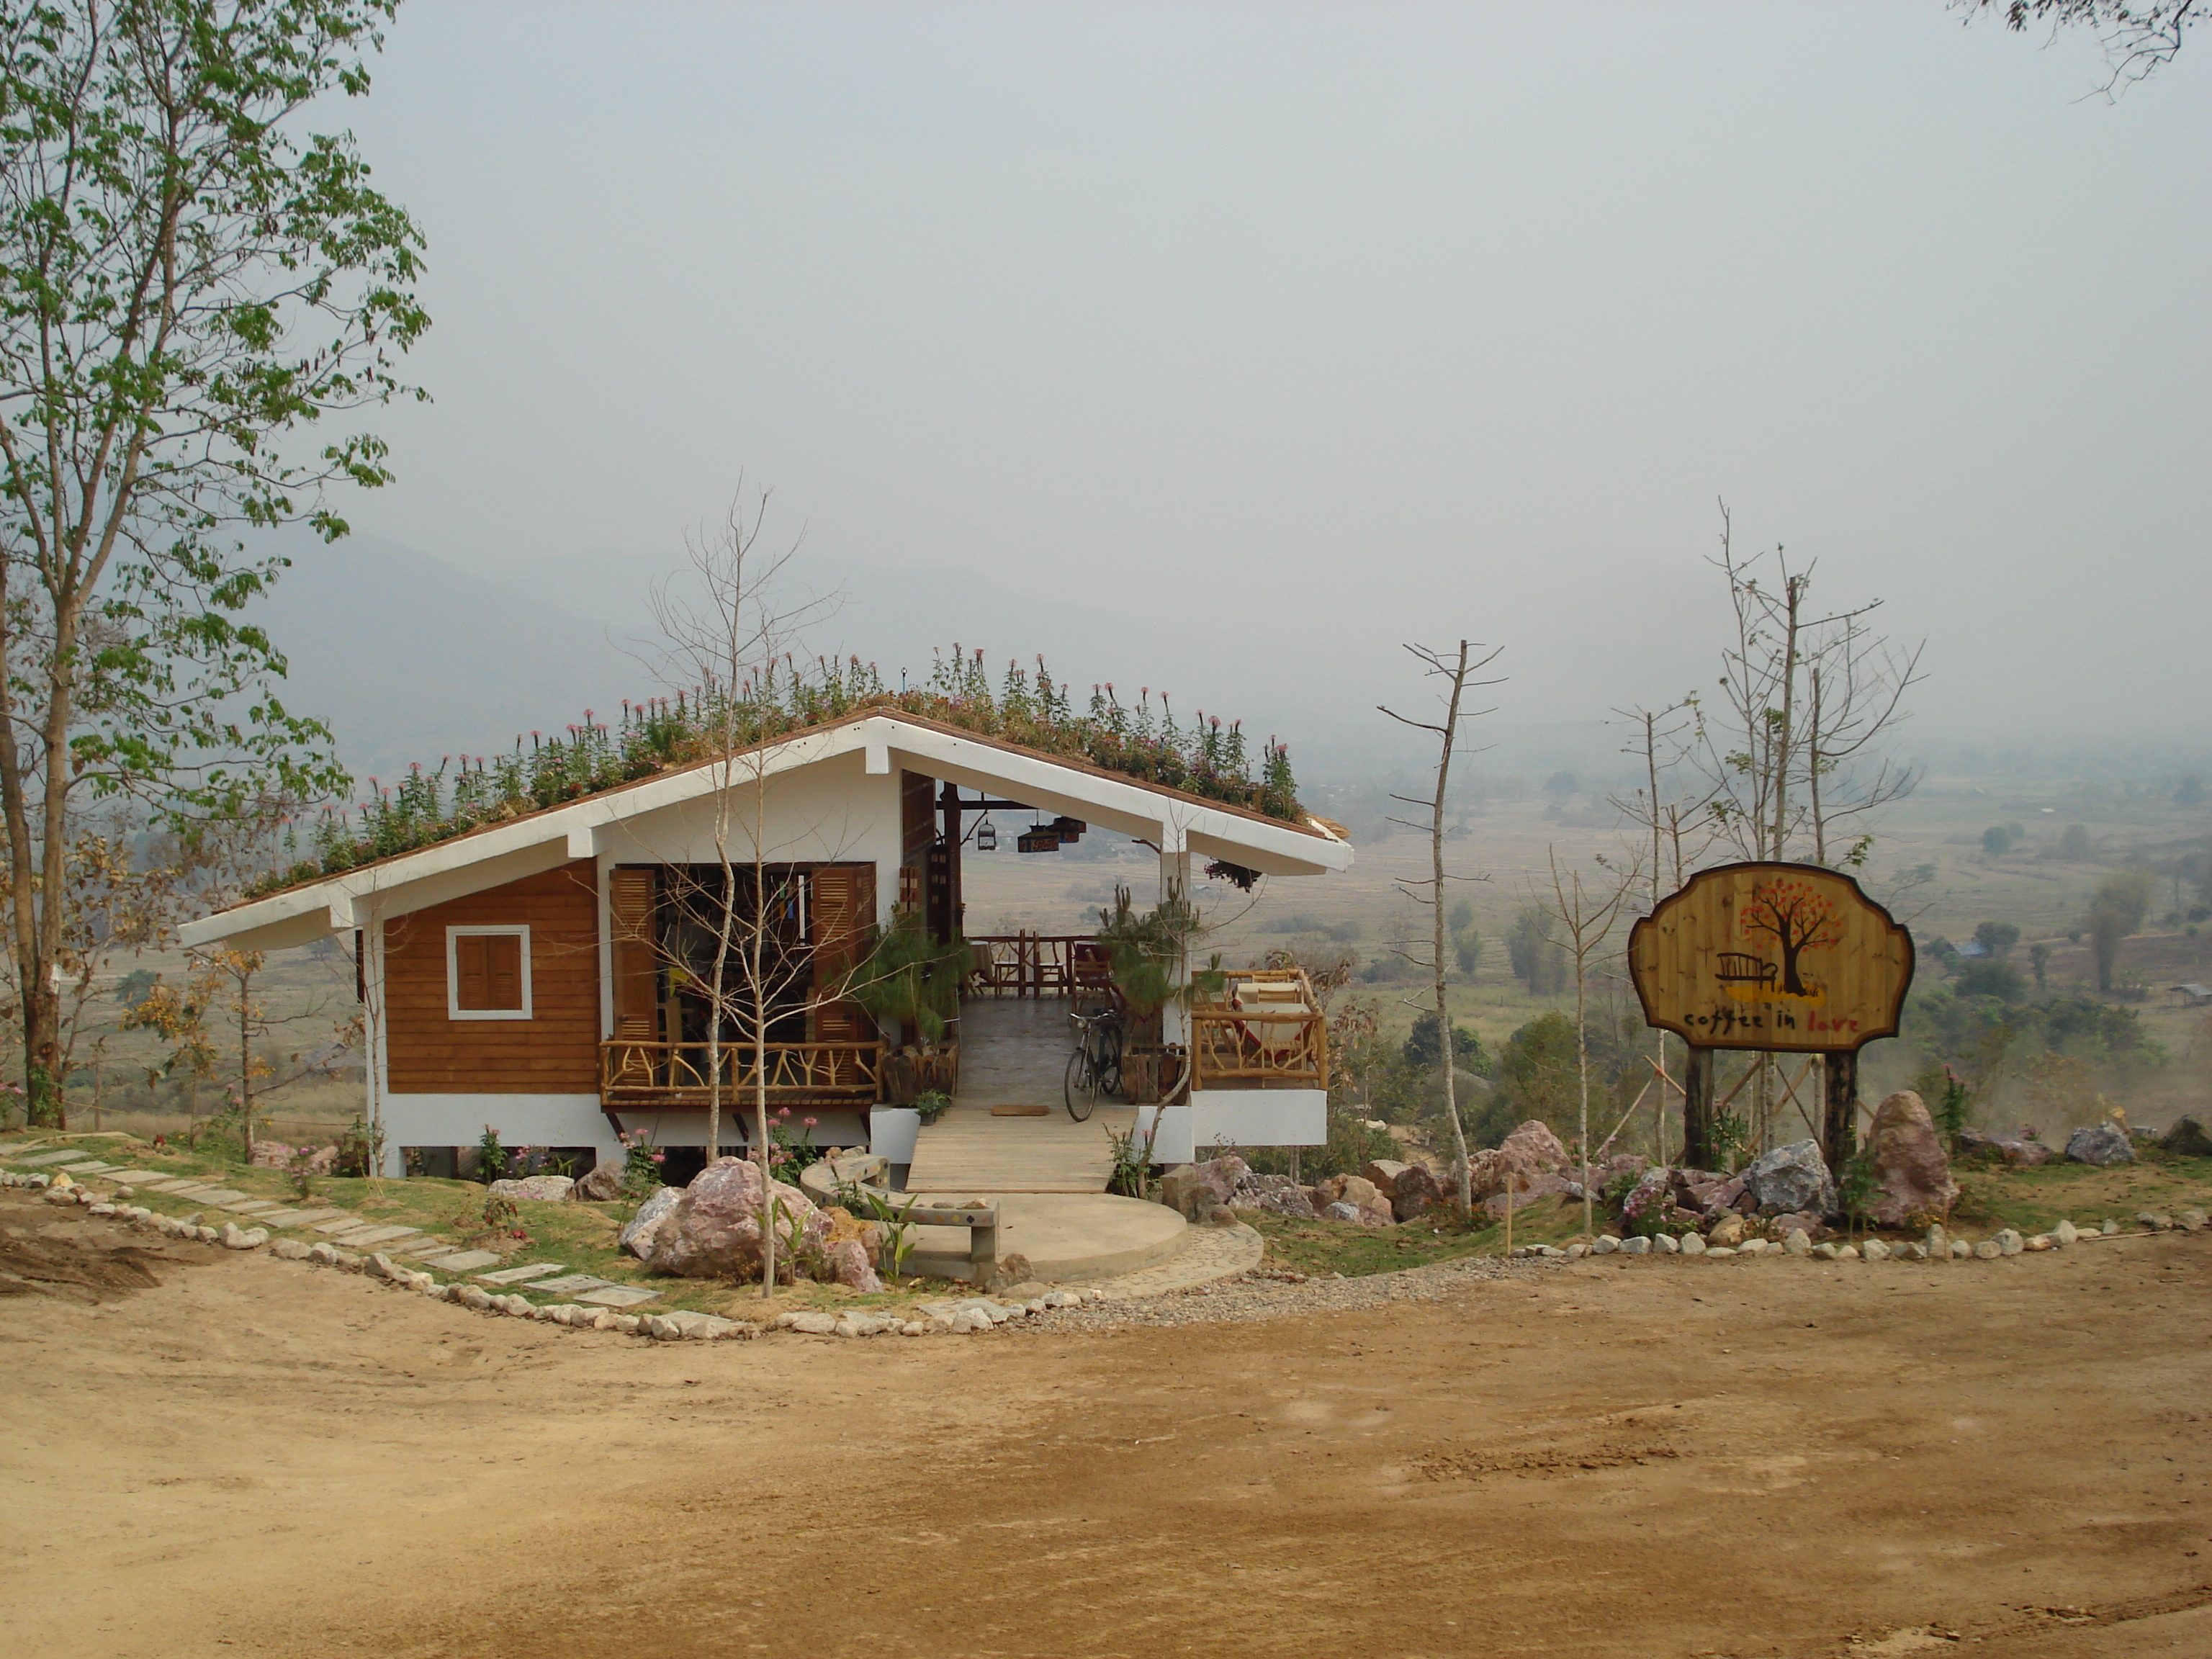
(1150, 1072)
(940, 1067)
(902, 1077)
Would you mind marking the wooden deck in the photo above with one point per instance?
(1014, 1054)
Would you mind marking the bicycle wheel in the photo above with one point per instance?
(1080, 1086)
(1109, 1066)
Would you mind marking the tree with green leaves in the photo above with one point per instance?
(188, 283)
(2122, 901)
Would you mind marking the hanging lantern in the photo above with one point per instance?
(1043, 838)
(986, 836)
(1070, 830)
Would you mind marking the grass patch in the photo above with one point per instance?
(2033, 1201)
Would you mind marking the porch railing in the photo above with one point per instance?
(1266, 1030)
(1030, 964)
(633, 1072)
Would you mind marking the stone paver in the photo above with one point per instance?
(311, 1217)
(173, 1184)
(35, 1161)
(221, 1196)
(516, 1275)
(281, 1217)
(376, 1235)
(253, 1207)
(135, 1178)
(619, 1295)
(462, 1262)
(344, 1224)
(90, 1166)
(571, 1282)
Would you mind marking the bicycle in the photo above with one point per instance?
(1095, 1067)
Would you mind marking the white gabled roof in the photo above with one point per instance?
(540, 841)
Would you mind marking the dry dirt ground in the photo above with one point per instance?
(248, 1457)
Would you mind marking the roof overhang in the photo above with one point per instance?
(1171, 821)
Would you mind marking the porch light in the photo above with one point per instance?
(986, 836)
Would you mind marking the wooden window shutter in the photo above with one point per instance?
(631, 891)
(844, 915)
(471, 988)
(503, 970)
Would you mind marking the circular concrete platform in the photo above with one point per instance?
(1066, 1235)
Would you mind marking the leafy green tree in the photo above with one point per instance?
(186, 283)
(1996, 841)
(1537, 960)
(2039, 959)
(1990, 976)
(1423, 1049)
(2074, 843)
(2122, 902)
(1997, 938)
(1536, 1072)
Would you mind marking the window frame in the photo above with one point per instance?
(510, 930)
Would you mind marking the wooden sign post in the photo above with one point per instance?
(1791, 958)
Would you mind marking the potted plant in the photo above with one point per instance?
(912, 982)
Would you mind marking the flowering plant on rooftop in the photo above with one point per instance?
(1209, 757)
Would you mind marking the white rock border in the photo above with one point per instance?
(1936, 1245)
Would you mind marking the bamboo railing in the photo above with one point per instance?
(1266, 1030)
(633, 1072)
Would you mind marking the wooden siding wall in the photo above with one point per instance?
(554, 1052)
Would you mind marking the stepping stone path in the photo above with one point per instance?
(369, 1236)
(344, 1224)
(282, 1217)
(309, 1218)
(619, 1295)
(221, 1196)
(139, 1177)
(569, 1282)
(90, 1166)
(516, 1275)
(459, 1261)
(42, 1159)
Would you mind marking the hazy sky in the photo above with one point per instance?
(1273, 335)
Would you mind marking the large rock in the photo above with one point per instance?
(1384, 1173)
(1726, 1233)
(1416, 1192)
(848, 1265)
(544, 1188)
(2101, 1143)
(1222, 1174)
(1535, 1142)
(1182, 1189)
(1791, 1178)
(637, 1237)
(1535, 1189)
(2187, 1139)
(715, 1228)
(603, 1186)
(1912, 1171)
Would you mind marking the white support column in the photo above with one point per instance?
(376, 1055)
(1174, 877)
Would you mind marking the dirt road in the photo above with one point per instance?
(1654, 1458)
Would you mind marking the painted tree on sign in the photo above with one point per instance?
(1798, 917)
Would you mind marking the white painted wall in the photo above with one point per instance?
(521, 1120)
(1242, 1117)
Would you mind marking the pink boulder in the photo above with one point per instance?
(848, 1265)
(1912, 1182)
(714, 1230)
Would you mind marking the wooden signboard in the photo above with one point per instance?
(1784, 957)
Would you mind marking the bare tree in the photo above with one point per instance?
(1798, 766)
(728, 641)
(1458, 671)
(1587, 919)
(1676, 819)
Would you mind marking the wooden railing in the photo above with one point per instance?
(1266, 1028)
(1030, 964)
(640, 1073)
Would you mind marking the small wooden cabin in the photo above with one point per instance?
(540, 977)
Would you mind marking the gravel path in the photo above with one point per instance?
(1270, 1293)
